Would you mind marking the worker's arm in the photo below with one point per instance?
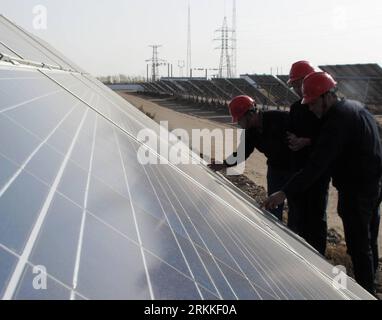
(329, 145)
(249, 147)
(231, 161)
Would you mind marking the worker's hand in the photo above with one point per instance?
(217, 166)
(296, 143)
(274, 200)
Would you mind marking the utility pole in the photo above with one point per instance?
(155, 62)
(234, 41)
(181, 66)
(189, 62)
(225, 65)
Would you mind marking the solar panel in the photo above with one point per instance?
(361, 82)
(27, 46)
(75, 201)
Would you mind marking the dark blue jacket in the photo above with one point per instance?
(348, 146)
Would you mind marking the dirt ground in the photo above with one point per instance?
(253, 181)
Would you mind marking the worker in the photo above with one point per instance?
(349, 146)
(308, 218)
(265, 131)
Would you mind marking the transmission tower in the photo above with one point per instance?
(234, 41)
(189, 62)
(225, 66)
(155, 62)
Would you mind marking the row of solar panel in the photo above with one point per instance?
(267, 90)
(359, 82)
(362, 82)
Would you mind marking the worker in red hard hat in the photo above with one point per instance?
(308, 215)
(349, 147)
(265, 131)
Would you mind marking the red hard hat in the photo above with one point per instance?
(300, 70)
(315, 85)
(239, 106)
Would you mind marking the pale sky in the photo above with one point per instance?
(112, 36)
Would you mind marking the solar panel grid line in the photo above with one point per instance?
(122, 234)
(139, 114)
(317, 271)
(34, 266)
(197, 232)
(135, 221)
(235, 239)
(22, 167)
(135, 243)
(281, 241)
(117, 106)
(212, 229)
(29, 101)
(14, 281)
(221, 215)
(83, 218)
(51, 195)
(169, 224)
(186, 194)
(266, 265)
(58, 281)
(184, 228)
(320, 273)
(38, 136)
(194, 245)
(246, 253)
(285, 280)
(200, 285)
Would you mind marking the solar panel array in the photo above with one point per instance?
(361, 82)
(216, 92)
(276, 89)
(76, 203)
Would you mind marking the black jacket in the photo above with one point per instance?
(349, 146)
(303, 123)
(272, 140)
